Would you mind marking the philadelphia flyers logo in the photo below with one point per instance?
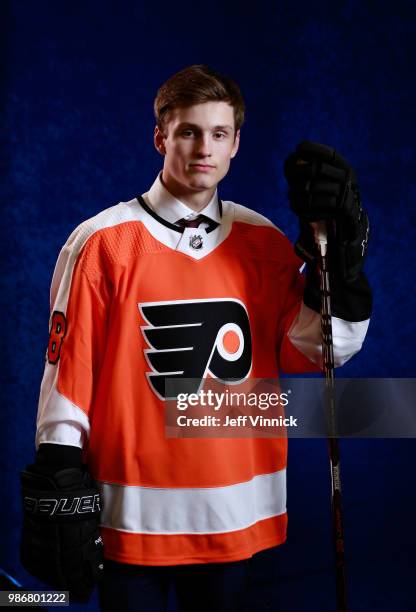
(189, 339)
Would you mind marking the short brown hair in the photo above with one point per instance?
(195, 85)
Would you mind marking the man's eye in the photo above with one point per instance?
(187, 132)
(219, 135)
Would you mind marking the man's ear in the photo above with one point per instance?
(235, 145)
(159, 141)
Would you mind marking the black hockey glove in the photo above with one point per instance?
(61, 543)
(323, 186)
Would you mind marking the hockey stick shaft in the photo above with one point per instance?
(333, 443)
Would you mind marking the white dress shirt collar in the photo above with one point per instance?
(164, 204)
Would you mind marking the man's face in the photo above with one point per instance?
(198, 144)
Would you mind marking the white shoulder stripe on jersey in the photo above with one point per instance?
(247, 215)
(110, 217)
(204, 510)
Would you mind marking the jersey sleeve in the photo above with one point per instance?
(291, 358)
(300, 337)
(76, 345)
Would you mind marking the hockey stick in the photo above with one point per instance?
(320, 230)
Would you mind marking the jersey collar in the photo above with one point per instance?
(170, 209)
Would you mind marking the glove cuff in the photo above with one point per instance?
(58, 456)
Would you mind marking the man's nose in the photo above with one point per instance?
(204, 145)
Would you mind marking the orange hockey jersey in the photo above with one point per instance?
(134, 301)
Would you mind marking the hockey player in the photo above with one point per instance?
(147, 290)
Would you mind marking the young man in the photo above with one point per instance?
(146, 291)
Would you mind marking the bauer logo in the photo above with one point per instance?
(190, 339)
(63, 506)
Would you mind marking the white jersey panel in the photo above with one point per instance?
(207, 510)
(246, 215)
(306, 335)
(60, 421)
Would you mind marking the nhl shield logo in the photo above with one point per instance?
(196, 242)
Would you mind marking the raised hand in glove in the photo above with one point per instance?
(323, 186)
(61, 543)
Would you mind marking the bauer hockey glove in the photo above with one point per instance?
(61, 543)
(323, 186)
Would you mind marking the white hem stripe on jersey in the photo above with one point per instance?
(196, 510)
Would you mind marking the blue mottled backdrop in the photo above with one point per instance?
(78, 83)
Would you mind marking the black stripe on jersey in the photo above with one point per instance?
(177, 228)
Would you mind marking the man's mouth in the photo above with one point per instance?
(202, 167)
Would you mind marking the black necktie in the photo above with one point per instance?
(197, 221)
